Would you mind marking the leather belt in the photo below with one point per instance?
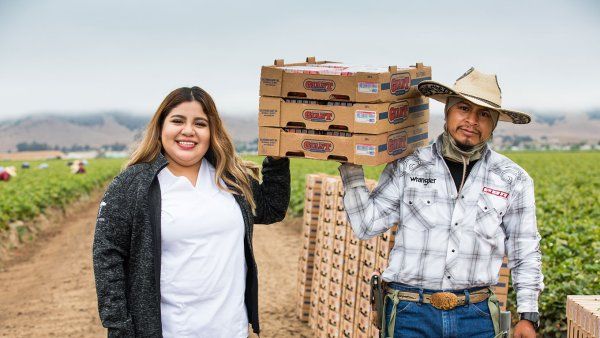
(442, 300)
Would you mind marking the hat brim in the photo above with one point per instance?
(441, 92)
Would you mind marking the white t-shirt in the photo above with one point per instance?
(203, 267)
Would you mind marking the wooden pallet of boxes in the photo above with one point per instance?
(583, 316)
(309, 239)
(335, 281)
(329, 110)
(501, 289)
(336, 285)
(350, 278)
(323, 256)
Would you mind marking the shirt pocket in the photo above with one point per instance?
(489, 218)
(420, 209)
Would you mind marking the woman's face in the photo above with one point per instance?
(469, 124)
(186, 134)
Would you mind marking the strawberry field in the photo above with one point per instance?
(33, 190)
(567, 189)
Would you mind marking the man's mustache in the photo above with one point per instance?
(469, 129)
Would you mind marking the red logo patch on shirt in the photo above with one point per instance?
(495, 192)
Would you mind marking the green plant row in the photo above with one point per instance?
(33, 190)
(567, 191)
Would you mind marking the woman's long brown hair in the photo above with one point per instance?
(229, 167)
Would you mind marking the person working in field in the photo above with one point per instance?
(173, 242)
(460, 207)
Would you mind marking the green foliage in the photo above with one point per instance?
(33, 190)
(567, 191)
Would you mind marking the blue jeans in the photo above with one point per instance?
(415, 319)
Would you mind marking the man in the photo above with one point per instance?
(461, 207)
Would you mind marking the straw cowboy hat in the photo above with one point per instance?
(478, 88)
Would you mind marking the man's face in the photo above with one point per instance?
(469, 124)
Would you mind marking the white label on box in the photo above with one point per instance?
(365, 116)
(368, 87)
(365, 149)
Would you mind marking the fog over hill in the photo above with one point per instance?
(95, 130)
(550, 128)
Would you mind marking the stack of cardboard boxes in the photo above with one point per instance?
(335, 297)
(583, 316)
(309, 240)
(342, 269)
(328, 110)
(501, 289)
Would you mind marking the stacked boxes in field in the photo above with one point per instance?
(318, 256)
(309, 238)
(328, 110)
(351, 270)
(318, 314)
(336, 285)
(583, 316)
(501, 289)
(384, 247)
(366, 267)
(362, 314)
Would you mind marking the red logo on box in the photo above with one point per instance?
(319, 85)
(495, 192)
(397, 143)
(317, 146)
(400, 83)
(318, 115)
(398, 112)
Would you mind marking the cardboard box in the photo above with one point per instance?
(358, 148)
(339, 232)
(338, 259)
(348, 301)
(351, 266)
(365, 118)
(362, 320)
(381, 262)
(583, 316)
(333, 329)
(341, 218)
(347, 329)
(326, 80)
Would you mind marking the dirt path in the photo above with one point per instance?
(47, 290)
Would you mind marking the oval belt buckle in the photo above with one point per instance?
(444, 300)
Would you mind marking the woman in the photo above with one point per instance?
(173, 242)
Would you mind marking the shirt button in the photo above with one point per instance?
(409, 202)
(448, 277)
(456, 223)
(462, 196)
(452, 250)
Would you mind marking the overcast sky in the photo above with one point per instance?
(83, 56)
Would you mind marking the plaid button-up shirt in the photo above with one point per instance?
(447, 239)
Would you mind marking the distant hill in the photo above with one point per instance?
(108, 128)
(95, 130)
(554, 128)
